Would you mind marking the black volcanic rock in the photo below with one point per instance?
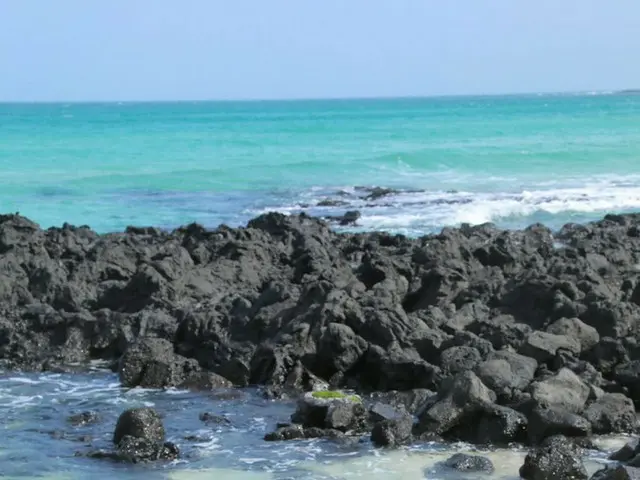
(482, 317)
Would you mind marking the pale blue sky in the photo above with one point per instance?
(228, 49)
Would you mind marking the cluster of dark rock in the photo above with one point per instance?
(495, 336)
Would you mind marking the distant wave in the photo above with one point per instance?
(423, 211)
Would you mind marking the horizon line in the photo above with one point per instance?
(338, 98)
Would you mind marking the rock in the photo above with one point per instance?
(455, 360)
(410, 401)
(381, 411)
(138, 450)
(289, 305)
(628, 375)
(556, 459)
(545, 423)
(461, 462)
(84, 418)
(293, 432)
(564, 391)
(543, 346)
(298, 432)
(627, 452)
(212, 419)
(144, 423)
(349, 218)
(152, 363)
(330, 410)
(617, 472)
(393, 432)
(139, 437)
(344, 416)
(576, 329)
(505, 372)
(612, 413)
(500, 426)
(462, 396)
(378, 192)
(328, 202)
(607, 355)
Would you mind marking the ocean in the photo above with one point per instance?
(511, 160)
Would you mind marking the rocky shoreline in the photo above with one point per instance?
(475, 334)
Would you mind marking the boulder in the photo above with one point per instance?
(460, 397)
(291, 432)
(393, 432)
(500, 426)
(139, 437)
(152, 363)
(563, 391)
(455, 360)
(556, 459)
(612, 413)
(330, 410)
(543, 346)
(545, 423)
(505, 372)
(576, 329)
(411, 401)
(628, 376)
(144, 423)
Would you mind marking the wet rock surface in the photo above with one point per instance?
(556, 458)
(142, 423)
(84, 418)
(139, 437)
(462, 462)
(505, 329)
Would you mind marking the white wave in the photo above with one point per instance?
(480, 208)
(412, 212)
(25, 380)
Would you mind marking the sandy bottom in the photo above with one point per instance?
(219, 474)
(402, 465)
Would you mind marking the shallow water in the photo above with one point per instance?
(34, 409)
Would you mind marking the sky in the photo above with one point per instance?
(84, 50)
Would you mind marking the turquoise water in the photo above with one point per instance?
(512, 160)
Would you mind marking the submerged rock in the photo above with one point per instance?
(84, 418)
(212, 419)
(463, 462)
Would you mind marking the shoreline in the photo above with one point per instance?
(350, 217)
(497, 330)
